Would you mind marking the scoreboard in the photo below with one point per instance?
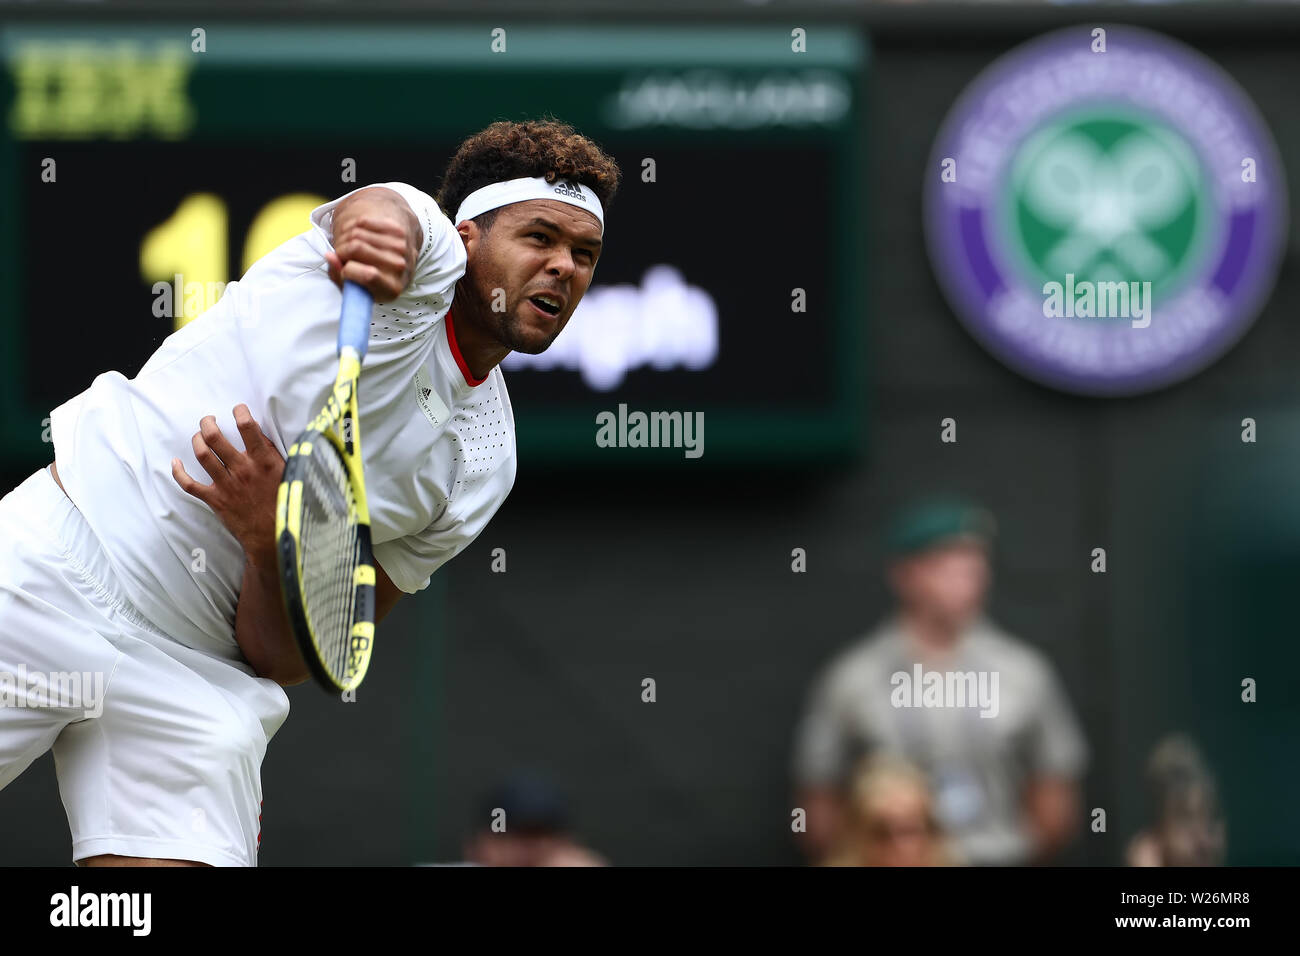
(144, 167)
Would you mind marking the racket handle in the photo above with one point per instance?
(354, 323)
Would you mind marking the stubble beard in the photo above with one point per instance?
(511, 332)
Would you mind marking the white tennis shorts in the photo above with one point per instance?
(158, 747)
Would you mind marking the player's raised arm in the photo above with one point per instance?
(377, 239)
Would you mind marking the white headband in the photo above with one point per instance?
(496, 195)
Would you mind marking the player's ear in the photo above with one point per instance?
(470, 234)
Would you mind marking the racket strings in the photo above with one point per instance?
(330, 549)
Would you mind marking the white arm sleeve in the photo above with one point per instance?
(412, 560)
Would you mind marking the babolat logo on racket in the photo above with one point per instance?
(566, 188)
(1105, 210)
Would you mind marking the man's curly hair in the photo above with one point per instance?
(506, 150)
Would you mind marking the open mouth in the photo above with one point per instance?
(546, 303)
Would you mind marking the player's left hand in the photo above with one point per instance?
(244, 483)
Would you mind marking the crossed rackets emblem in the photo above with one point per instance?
(1108, 203)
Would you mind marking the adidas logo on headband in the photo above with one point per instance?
(566, 188)
(496, 195)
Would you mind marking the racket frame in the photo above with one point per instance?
(325, 435)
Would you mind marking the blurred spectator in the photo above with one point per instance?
(1004, 763)
(1187, 829)
(532, 831)
(890, 819)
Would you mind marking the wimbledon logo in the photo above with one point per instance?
(1105, 211)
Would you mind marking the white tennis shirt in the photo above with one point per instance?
(438, 445)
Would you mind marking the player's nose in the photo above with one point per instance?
(562, 264)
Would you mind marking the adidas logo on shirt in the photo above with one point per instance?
(429, 401)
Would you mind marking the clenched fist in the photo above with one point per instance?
(377, 240)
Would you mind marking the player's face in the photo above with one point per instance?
(948, 583)
(541, 254)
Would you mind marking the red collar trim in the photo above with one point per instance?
(460, 359)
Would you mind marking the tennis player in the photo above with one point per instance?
(142, 630)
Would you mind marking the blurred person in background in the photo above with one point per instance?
(890, 819)
(526, 823)
(1187, 828)
(1005, 775)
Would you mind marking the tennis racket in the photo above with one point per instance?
(322, 522)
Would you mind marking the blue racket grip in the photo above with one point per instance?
(354, 323)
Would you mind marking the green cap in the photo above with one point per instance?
(928, 524)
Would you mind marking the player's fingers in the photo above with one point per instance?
(217, 441)
(358, 271)
(382, 234)
(377, 249)
(363, 249)
(376, 242)
(397, 247)
(390, 262)
(207, 458)
(249, 430)
(335, 267)
(188, 484)
(255, 440)
(374, 280)
(383, 226)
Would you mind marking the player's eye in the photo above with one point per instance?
(540, 235)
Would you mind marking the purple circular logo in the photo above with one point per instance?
(1105, 210)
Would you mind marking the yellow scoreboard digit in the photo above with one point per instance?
(185, 257)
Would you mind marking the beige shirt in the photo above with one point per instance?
(981, 723)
